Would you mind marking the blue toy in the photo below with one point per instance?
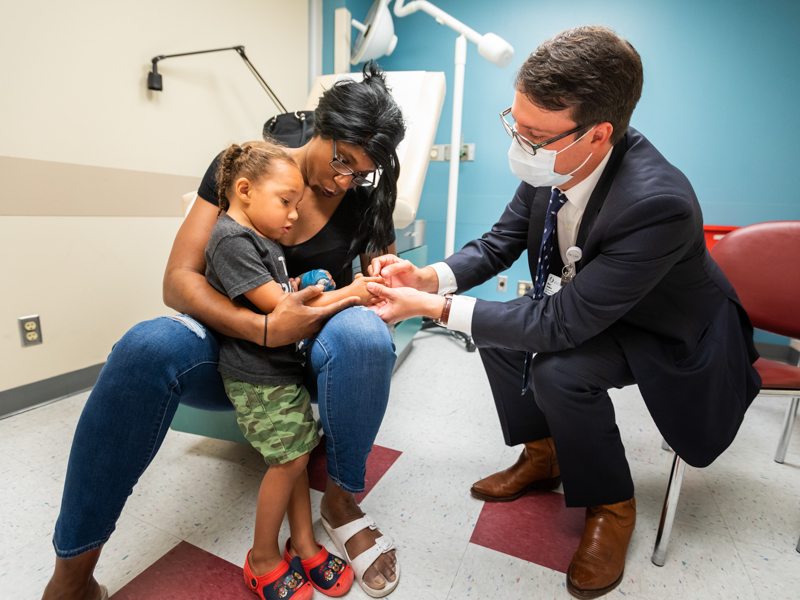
(318, 277)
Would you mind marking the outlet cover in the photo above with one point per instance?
(523, 287)
(30, 330)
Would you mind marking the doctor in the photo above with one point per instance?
(624, 293)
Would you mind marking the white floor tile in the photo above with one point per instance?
(699, 564)
(65, 411)
(25, 572)
(11, 469)
(132, 548)
(29, 510)
(775, 573)
(756, 512)
(429, 494)
(241, 454)
(229, 533)
(443, 438)
(42, 438)
(439, 378)
(178, 495)
(488, 575)
(762, 427)
(696, 507)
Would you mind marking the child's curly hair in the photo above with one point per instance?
(252, 160)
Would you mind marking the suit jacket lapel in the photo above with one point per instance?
(600, 192)
(541, 199)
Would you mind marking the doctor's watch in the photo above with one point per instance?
(445, 316)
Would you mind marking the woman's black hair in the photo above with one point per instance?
(364, 113)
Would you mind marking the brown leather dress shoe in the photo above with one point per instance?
(599, 563)
(535, 469)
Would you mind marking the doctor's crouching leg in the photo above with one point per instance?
(568, 400)
(571, 388)
(155, 366)
(522, 422)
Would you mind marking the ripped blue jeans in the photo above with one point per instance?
(170, 360)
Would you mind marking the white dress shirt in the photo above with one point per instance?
(568, 222)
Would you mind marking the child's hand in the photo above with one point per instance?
(359, 288)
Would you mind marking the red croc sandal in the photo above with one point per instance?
(287, 581)
(327, 572)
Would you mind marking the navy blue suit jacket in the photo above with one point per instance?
(647, 278)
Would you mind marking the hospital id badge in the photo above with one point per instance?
(553, 285)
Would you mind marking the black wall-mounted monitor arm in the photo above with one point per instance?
(154, 81)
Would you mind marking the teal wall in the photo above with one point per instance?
(328, 15)
(719, 100)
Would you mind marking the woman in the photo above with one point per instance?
(161, 363)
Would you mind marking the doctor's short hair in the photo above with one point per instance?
(588, 69)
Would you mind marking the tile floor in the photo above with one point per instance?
(734, 536)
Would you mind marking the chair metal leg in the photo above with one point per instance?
(668, 514)
(665, 445)
(798, 544)
(788, 424)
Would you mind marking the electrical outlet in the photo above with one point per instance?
(30, 330)
(523, 287)
(502, 283)
(441, 152)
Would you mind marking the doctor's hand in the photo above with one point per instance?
(398, 273)
(400, 303)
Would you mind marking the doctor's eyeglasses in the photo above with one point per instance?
(525, 143)
(364, 178)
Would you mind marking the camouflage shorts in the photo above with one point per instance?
(276, 420)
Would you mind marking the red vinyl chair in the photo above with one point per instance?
(761, 261)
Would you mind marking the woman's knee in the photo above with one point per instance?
(358, 334)
(164, 342)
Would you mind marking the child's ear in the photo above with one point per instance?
(241, 188)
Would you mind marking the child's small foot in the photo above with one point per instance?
(287, 581)
(328, 573)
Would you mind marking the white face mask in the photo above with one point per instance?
(539, 170)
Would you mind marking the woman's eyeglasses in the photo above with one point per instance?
(364, 178)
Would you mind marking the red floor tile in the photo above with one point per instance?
(187, 572)
(379, 461)
(538, 528)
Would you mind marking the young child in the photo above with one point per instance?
(260, 187)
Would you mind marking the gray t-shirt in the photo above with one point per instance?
(239, 260)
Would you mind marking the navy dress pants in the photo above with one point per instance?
(568, 400)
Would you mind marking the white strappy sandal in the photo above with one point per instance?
(363, 561)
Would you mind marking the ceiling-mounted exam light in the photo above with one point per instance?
(496, 50)
(491, 47)
(376, 36)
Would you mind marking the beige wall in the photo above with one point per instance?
(92, 164)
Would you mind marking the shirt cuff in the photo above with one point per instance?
(447, 279)
(461, 310)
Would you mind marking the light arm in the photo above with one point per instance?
(492, 47)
